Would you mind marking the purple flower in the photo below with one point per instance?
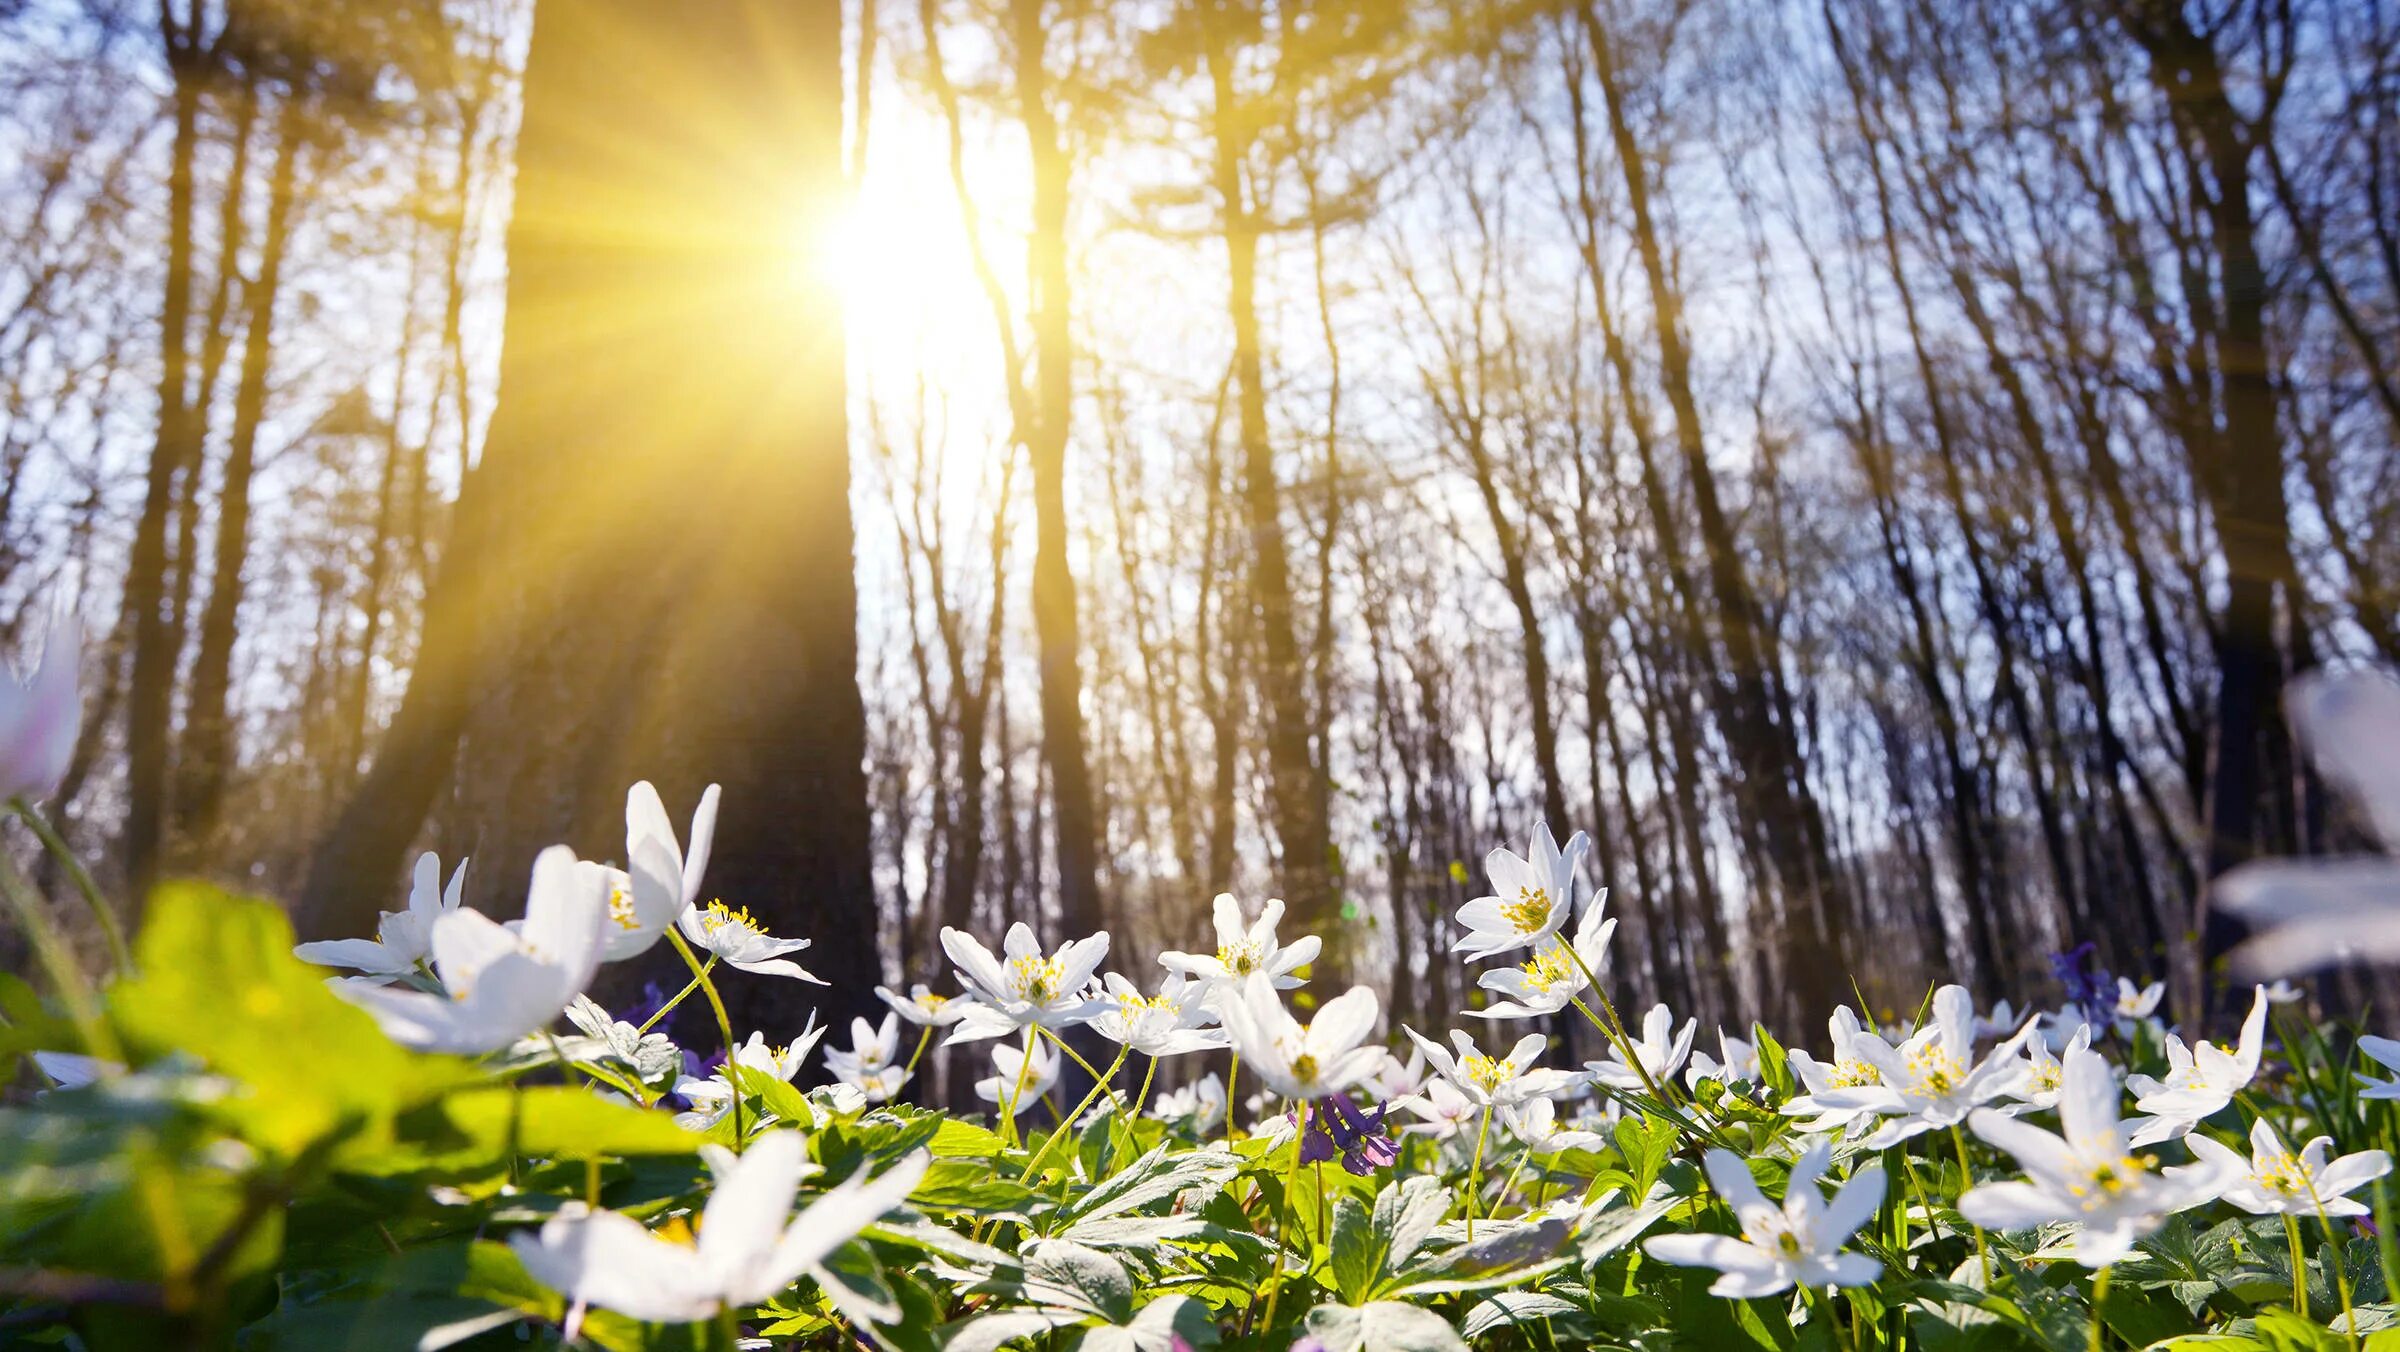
(2089, 987)
(1338, 1128)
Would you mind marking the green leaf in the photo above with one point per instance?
(1382, 1326)
(1513, 1307)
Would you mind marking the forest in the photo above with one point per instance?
(1873, 465)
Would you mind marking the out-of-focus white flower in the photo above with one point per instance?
(1245, 949)
(2384, 1052)
(1495, 1081)
(70, 1070)
(1796, 1244)
(2045, 1073)
(2137, 1008)
(871, 1065)
(2312, 913)
(2200, 1080)
(1395, 1078)
(2061, 1026)
(659, 882)
(1030, 988)
(1303, 1061)
(740, 941)
(1170, 1023)
(1739, 1066)
(1661, 1048)
(1024, 1075)
(41, 716)
(1536, 1124)
(1850, 1068)
(742, 1253)
(1530, 896)
(2088, 1175)
(1442, 1111)
(2002, 1021)
(2276, 1182)
(924, 1008)
(712, 1097)
(1548, 980)
(403, 939)
(1934, 1079)
(498, 983)
(1201, 1103)
(2281, 992)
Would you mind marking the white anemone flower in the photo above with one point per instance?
(741, 941)
(1934, 1079)
(2200, 1081)
(403, 939)
(41, 717)
(1661, 1049)
(2000, 1022)
(2284, 993)
(2384, 1052)
(871, 1065)
(1530, 896)
(501, 983)
(1798, 1243)
(1441, 1110)
(1245, 948)
(1536, 1125)
(1020, 1082)
(747, 1248)
(1495, 1081)
(2312, 913)
(1303, 1061)
(1852, 1067)
(2087, 1174)
(2045, 1073)
(2136, 1008)
(1201, 1103)
(924, 1008)
(1551, 978)
(2277, 1181)
(1024, 987)
(1739, 1066)
(1170, 1023)
(1395, 1078)
(659, 881)
(712, 1096)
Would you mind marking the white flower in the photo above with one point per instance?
(1535, 1123)
(741, 941)
(2284, 993)
(1203, 1102)
(501, 983)
(41, 717)
(1933, 1079)
(1796, 1244)
(2200, 1080)
(1548, 980)
(1004, 1090)
(2061, 1027)
(1395, 1078)
(2088, 1175)
(1028, 990)
(1661, 1050)
(1325, 1056)
(871, 1065)
(2386, 1053)
(1740, 1066)
(711, 1098)
(1445, 1111)
(2137, 1007)
(658, 882)
(2045, 1073)
(1852, 1067)
(924, 1008)
(743, 1253)
(2311, 913)
(2276, 1182)
(2002, 1021)
(1244, 949)
(1170, 1023)
(1495, 1081)
(403, 939)
(1530, 897)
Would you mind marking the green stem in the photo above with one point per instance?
(1966, 1180)
(1067, 1127)
(1142, 1103)
(2291, 1236)
(913, 1057)
(1475, 1171)
(729, 1329)
(1283, 1213)
(2099, 1298)
(56, 844)
(1061, 1044)
(1232, 1078)
(669, 1007)
(2341, 1270)
(724, 1027)
(1509, 1184)
(1008, 1111)
(74, 991)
